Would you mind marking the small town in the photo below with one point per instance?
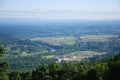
(77, 57)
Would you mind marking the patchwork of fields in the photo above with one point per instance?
(71, 40)
(96, 37)
(67, 40)
(74, 56)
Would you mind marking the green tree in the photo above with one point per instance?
(2, 51)
(26, 75)
(47, 77)
(92, 75)
(113, 72)
(4, 76)
(14, 76)
(3, 66)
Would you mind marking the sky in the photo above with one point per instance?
(60, 9)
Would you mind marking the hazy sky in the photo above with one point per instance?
(60, 9)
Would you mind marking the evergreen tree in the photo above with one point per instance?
(113, 72)
(92, 75)
(14, 76)
(3, 66)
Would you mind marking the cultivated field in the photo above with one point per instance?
(74, 56)
(96, 37)
(70, 40)
(67, 40)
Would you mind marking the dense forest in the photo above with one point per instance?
(108, 69)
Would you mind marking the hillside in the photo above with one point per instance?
(108, 69)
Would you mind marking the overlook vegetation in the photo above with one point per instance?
(30, 43)
(108, 69)
(59, 39)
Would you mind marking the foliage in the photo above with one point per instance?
(3, 66)
(96, 70)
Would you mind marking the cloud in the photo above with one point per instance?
(61, 14)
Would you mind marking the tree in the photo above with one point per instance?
(3, 76)
(92, 75)
(26, 75)
(113, 72)
(2, 51)
(3, 66)
(14, 76)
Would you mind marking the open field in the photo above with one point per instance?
(82, 52)
(35, 53)
(70, 40)
(67, 40)
(49, 56)
(96, 37)
(76, 56)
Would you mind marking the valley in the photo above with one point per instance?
(57, 41)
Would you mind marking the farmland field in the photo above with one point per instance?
(23, 54)
(71, 40)
(96, 37)
(67, 40)
(48, 56)
(85, 52)
(75, 56)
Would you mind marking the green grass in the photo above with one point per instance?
(32, 54)
(90, 38)
(70, 40)
(74, 54)
(82, 52)
(67, 40)
(48, 56)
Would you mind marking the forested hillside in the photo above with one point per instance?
(108, 69)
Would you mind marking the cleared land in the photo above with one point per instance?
(96, 37)
(75, 56)
(80, 55)
(35, 53)
(67, 40)
(49, 56)
(70, 40)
